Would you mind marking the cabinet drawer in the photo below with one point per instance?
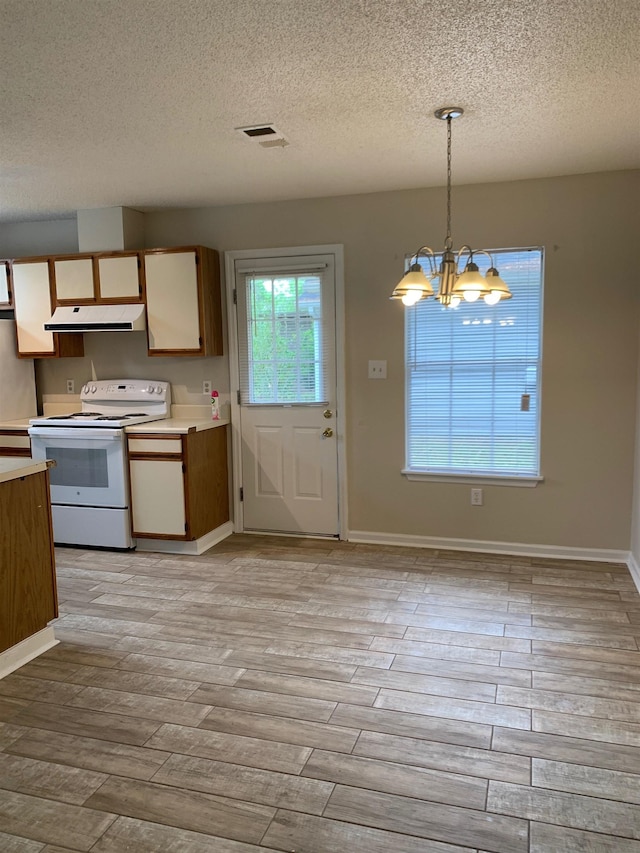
(15, 443)
(155, 445)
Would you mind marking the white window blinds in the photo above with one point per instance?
(473, 378)
(285, 346)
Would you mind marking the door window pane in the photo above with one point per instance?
(285, 347)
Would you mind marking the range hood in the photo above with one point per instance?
(97, 318)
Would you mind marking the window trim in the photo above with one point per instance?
(473, 479)
(529, 480)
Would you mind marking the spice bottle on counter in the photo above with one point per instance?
(215, 406)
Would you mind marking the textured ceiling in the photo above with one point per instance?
(134, 102)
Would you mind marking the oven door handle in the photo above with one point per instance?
(77, 433)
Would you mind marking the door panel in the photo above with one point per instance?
(268, 461)
(307, 478)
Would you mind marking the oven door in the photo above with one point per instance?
(90, 468)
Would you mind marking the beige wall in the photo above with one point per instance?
(587, 225)
(635, 509)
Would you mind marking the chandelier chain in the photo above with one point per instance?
(453, 284)
(448, 241)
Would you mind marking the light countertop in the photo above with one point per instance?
(12, 468)
(20, 423)
(193, 423)
(176, 425)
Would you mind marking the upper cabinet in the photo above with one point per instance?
(184, 315)
(180, 288)
(101, 278)
(5, 285)
(33, 304)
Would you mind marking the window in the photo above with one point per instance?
(286, 348)
(473, 380)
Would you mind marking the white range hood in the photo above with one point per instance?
(97, 318)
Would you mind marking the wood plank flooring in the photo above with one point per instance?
(318, 697)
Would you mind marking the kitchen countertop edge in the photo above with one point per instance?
(18, 424)
(175, 425)
(12, 468)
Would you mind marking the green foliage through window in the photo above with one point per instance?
(284, 316)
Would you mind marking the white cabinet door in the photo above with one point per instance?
(32, 303)
(74, 279)
(119, 277)
(173, 312)
(157, 497)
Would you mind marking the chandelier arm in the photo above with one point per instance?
(485, 252)
(448, 242)
(461, 250)
(427, 252)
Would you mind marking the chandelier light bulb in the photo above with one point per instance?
(492, 298)
(471, 295)
(411, 297)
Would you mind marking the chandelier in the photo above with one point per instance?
(454, 286)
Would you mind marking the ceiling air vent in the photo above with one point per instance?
(266, 135)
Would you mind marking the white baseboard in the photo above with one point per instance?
(26, 650)
(520, 549)
(634, 570)
(192, 548)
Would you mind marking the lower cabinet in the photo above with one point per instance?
(28, 600)
(179, 483)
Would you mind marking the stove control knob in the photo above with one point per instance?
(158, 389)
(150, 389)
(93, 389)
(85, 389)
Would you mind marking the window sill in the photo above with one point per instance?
(527, 482)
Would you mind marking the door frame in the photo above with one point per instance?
(337, 250)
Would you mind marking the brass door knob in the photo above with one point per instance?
(328, 413)
(328, 432)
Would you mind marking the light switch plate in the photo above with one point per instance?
(377, 370)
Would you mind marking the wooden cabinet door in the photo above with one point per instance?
(27, 581)
(173, 303)
(119, 278)
(5, 289)
(184, 312)
(74, 280)
(32, 303)
(157, 498)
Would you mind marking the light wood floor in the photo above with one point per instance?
(321, 697)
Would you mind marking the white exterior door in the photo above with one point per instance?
(289, 433)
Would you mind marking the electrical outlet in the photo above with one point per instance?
(206, 387)
(476, 497)
(71, 386)
(377, 370)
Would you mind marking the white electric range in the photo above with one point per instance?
(90, 481)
